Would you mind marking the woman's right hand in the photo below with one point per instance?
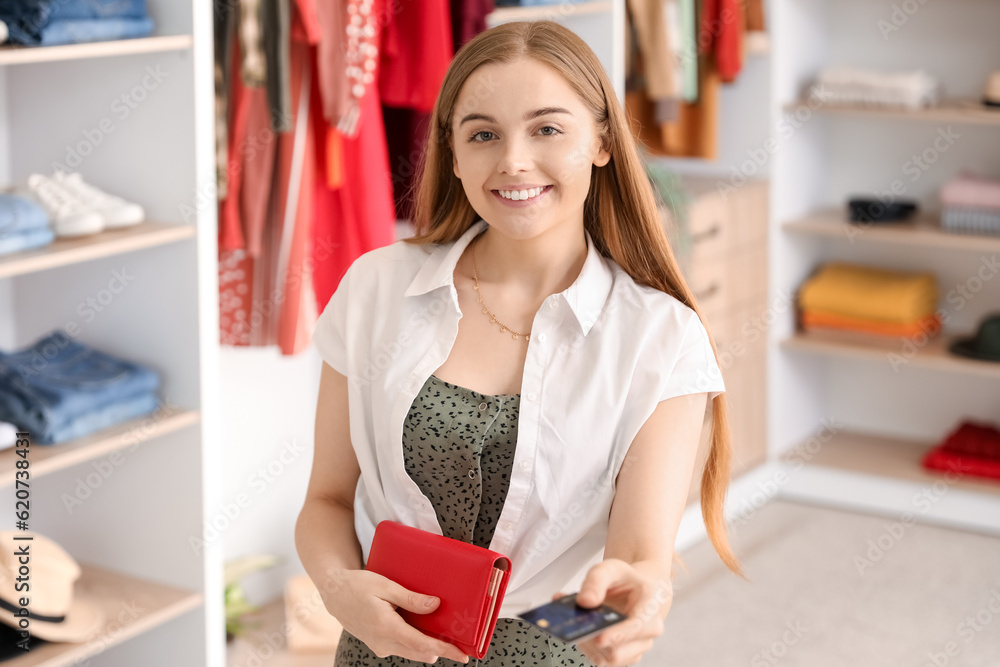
(365, 604)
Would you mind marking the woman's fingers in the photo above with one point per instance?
(415, 645)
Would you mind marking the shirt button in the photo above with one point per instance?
(531, 396)
(553, 304)
(482, 406)
(508, 526)
(541, 338)
(525, 465)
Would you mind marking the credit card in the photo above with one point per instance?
(570, 622)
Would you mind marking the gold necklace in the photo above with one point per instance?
(503, 327)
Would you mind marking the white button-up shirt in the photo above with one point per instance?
(602, 354)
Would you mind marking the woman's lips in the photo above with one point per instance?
(521, 203)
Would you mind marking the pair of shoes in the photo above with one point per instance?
(76, 208)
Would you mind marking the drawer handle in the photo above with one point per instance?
(714, 230)
(704, 294)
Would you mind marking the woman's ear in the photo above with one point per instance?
(602, 157)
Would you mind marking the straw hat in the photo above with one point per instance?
(53, 612)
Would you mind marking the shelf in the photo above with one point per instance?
(19, 55)
(885, 457)
(922, 230)
(934, 355)
(66, 251)
(131, 606)
(262, 625)
(541, 12)
(45, 459)
(952, 111)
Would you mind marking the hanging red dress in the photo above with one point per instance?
(360, 215)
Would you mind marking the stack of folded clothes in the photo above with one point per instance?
(48, 22)
(971, 204)
(972, 449)
(23, 224)
(856, 86)
(58, 389)
(869, 300)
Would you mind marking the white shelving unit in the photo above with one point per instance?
(130, 503)
(875, 409)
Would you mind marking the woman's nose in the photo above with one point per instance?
(516, 156)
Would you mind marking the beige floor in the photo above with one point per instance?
(831, 588)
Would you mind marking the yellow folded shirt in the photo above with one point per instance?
(870, 293)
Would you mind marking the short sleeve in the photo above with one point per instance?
(330, 333)
(696, 369)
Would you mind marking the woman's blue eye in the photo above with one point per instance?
(473, 138)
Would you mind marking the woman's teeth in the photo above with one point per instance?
(518, 195)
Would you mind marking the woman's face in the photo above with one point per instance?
(500, 143)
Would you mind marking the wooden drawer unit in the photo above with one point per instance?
(727, 267)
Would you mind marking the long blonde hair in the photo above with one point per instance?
(620, 212)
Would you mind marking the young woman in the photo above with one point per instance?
(529, 373)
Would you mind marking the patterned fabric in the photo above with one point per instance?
(458, 446)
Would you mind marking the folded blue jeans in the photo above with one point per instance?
(101, 418)
(76, 31)
(18, 241)
(48, 386)
(20, 214)
(25, 19)
(98, 9)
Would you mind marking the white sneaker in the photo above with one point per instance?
(68, 215)
(117, 212)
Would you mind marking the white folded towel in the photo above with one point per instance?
(849, 85)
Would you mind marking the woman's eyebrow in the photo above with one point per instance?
(544, 111)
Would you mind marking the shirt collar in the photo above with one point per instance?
(586, 296)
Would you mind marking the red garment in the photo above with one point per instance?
(230, 225)
(415, 53)
(721, 34)
(468, 19)
(972, 449)
(258, 147)
(359, 216)
(268, 300)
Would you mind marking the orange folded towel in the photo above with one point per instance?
(870, 293)
(929, 326)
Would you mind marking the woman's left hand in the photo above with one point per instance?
(639, 592)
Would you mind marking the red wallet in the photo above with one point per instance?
(469, 580)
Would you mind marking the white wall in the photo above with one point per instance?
(268, 410)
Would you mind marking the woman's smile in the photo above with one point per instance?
(521, 198)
